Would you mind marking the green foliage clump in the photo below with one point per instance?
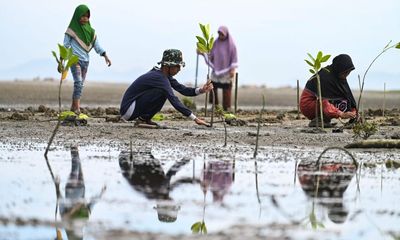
(364, 130)
(206, 42)
(189, 103)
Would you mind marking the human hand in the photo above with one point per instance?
(108, 61)
(207, 87)
(232, 72)
(346, 115)
(199, 121)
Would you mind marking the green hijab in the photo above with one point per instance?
(84, 32)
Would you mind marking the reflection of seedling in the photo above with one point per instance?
(364, 130)
(314, 221)
(258, 127)
(199, 228)
(204, 46)
(315, 64)
(65, 61)
(189, 103)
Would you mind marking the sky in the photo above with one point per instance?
(273, 37)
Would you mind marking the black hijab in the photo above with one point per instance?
(332, 87)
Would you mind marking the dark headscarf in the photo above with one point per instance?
(332, 87)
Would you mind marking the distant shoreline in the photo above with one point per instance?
(33, 93)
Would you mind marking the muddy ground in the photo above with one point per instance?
(28, 115)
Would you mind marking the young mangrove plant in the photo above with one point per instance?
(204, 46)
(315, 64)
(364, 129)
(64, 62)
(361, 83)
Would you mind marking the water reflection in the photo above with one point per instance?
(218, 177)
(327, 186)
(146, 175)
(74, 208)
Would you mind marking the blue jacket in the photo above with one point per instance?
(156, 79)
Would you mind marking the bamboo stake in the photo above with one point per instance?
(236, 91)
(298, 100)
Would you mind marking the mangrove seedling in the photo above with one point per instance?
(204, 46)
(361, 83)
(315, 64)
(64, 61)
(364, 129)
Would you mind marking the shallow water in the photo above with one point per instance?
(164, 189)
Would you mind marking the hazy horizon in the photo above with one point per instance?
(272, 37)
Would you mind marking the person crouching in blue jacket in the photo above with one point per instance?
(148, 93)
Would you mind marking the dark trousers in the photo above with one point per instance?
(226, 95)
(149, 103)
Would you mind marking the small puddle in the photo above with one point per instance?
(89, 191)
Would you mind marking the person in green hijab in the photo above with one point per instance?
(81, 37)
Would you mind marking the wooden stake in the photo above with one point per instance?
(236, 91)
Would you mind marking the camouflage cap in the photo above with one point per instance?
(172, 57)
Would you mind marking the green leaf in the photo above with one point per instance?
(319, 55)
(203, 228)
(311, 57)
(309, 63)
(202, 48)
(325, 58)
(211, 43)
(317, 65)
(69, 55)
(207, 36)
(72, 60)
(201, 40)
(196, 227)
(312, 71)
(63, 51)
(398, 45)
(204, 30)
(55, 56)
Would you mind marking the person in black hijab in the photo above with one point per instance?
(337, 99)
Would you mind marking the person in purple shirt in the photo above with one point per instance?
(148, 93)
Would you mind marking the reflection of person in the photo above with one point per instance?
(337, 99)
(223, 61)
(333, 182)
(146, 175)
(147, 94)
(218, 177)
(81, 37)
(74, 208)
